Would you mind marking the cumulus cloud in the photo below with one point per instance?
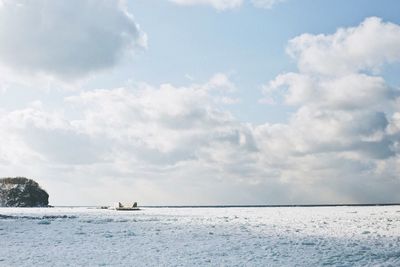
(65, 39)
(227, 4)
(363, 48)
(344, 132)
(146, 133)
(349, 91)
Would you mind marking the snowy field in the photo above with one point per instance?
(322, 236)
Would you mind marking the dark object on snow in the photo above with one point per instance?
(122, 207)
(22, 192)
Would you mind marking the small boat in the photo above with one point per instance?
(119, 206)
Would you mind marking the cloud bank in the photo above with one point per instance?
(180, 145)
(65, 39)
(343, 135)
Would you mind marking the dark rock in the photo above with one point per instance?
(22, 192)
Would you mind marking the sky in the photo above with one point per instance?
(202, 102)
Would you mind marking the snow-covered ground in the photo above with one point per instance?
(338, 236)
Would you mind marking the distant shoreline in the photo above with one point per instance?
(251, 206)
(277, 206)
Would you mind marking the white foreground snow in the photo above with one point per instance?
(323, 236)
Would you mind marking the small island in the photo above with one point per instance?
(22, 192)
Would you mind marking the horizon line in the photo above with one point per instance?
(243, 206)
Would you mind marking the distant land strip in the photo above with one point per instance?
(275, 206)
(247, 206)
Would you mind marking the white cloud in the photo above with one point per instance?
(344, 132)
(365, 47)
(350, 91)
(151, 133)
(65, 39)
(221, 81)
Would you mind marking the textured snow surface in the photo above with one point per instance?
(323, 236)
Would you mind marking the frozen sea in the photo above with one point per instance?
(292, 236)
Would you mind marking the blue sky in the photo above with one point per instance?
(176, 100)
